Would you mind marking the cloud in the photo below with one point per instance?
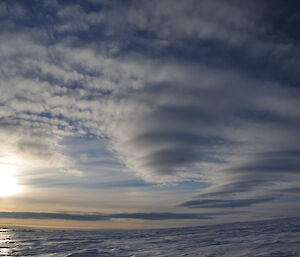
(99, 217)
(65, 216)
(273, 172)
(197, 90)
(232, 203)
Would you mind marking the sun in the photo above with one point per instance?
(8, 184)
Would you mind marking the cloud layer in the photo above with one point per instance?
(203, 90)
(104, 217)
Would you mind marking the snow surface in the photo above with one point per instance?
(260, 238)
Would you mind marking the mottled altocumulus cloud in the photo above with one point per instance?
(194, 90)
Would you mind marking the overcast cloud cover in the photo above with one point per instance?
(176, 91)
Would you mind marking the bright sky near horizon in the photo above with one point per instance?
(131, 114)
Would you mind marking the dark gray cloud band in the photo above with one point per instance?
(232, 203)
(105, 217)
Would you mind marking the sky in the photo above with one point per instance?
(144, 114)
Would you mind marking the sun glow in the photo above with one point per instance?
(8, 184)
